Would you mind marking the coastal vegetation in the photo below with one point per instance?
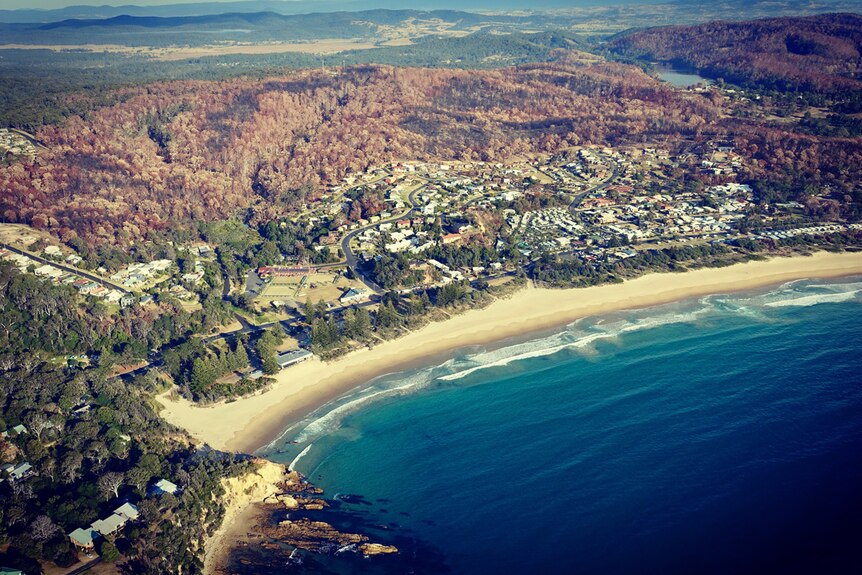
(195, 231)
(93, 441)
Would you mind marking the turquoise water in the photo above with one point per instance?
(718, 435)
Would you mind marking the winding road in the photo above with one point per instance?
(72, 270)
(350, 258)
(580, 197)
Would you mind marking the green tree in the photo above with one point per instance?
(109, 552)
(387, 316)
(362, 323)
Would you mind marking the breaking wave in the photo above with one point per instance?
(578, 337)
(333, 416)
(573, 338)
(303, 453)
(800, 295)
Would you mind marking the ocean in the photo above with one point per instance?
(717, 435)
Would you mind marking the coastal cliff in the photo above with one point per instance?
(250, 502)
(241, 492)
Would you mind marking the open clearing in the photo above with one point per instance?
(21, 236)
(326, 286)
(331, 46)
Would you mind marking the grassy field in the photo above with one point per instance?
(21, 236)
(324, 286)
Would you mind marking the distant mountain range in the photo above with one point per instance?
(389, 24)
(273, 19)
(291, 7)
(370, 26)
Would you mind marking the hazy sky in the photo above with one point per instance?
(13, 4)
(308, 5)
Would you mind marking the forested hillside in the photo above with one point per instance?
(820, 53)
(92, 438)
(171, 153)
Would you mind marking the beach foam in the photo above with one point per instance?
(254, 421)
(806, 294)
(332, 417)
(582, 335)
(303, 453)
(579, 336)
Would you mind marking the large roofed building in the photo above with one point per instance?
(353, 295)
(293, 356)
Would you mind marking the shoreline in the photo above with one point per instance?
(253, 422)
(233, 531)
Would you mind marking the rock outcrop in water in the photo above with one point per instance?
(272, 490)
(261, 482)
(304, 533)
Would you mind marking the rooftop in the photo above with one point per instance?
(110, 524)
(163, 486)
(293, 356)
(84, 537)
(127, 510)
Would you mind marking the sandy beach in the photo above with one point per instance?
(250, 423)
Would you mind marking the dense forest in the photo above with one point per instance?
(171, 153)
(817, 53)
(94, 440)
(38, 82)
(145, 160)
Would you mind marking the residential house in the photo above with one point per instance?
(353, 295)
(84, 538)
(113, 296)
(109, 525)
(88, 287)
(127, 510)
(17, 472)
(17, 430)
(163, 486)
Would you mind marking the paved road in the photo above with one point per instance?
(580, 197)
(35, 141)
(85, 568)
(70, 269)
(350, 258)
